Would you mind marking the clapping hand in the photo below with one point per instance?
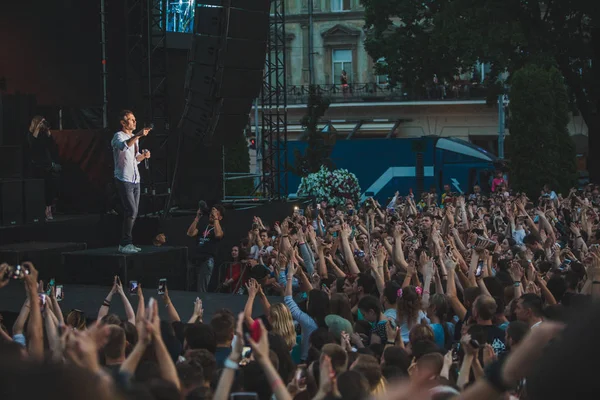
(198, 309)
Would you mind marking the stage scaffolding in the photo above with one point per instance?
(271, 110)
(147, 59)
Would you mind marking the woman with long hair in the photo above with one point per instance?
(42, 159)
(409, 309)
(235, 272)
(278, 315)
(340, 305)
(438, 314)
(282, 324)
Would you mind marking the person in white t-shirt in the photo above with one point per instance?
(263, 247)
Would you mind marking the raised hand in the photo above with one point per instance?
(516, 271)
(488, 355)
(346, 231)
(252, 287)
(198, 309)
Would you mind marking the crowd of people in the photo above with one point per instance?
(442, 297)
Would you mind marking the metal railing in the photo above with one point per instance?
(223, 267)
(374, 92)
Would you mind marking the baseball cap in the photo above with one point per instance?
(337, 324)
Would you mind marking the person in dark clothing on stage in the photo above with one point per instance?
(41, 159)
(207, 241)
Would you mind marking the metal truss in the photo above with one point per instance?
(147, 57)
(272, 140)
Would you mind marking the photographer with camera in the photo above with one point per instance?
(207, 242)
(42, 157)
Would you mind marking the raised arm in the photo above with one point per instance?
(455, 303)
(193, 229)
(144, 338)
(105, 307)
(171, 311)
(399, 259)
(348, 255)
(166, 366)
(19, 325)
(198, 312)
(35, 330)
(336, 270)
(141, 308)
(56, 307)
(129, 313)
(260, 351)
(217, 224)
(252, 287)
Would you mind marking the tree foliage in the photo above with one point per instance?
(319, 144)
(237, 160)
(419, 38)
(541, 150)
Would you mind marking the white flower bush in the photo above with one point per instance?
(333, 186)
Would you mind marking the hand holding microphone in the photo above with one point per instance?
(146, 154)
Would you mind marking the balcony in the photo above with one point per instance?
(373, 92)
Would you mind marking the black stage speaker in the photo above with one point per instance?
(34, 200)
(11, 202)
(11, 162)
(225, 67)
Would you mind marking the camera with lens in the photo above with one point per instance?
(203, 207)
(44, 125)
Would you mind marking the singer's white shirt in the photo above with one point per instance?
(126, 165)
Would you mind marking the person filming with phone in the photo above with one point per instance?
(127, 155)
(42, 156)
(207, 241)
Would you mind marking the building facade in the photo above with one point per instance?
(363, 105)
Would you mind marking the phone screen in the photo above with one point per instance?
(162, 284)
(60, 293)
(246, 351)
(301, 377)
(479, 269)
(133, 285)
(42, 301)
(50, 285)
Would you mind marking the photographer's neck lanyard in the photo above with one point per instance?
(208, 231)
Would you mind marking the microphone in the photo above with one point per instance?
(146, 161)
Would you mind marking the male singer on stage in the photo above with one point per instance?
(127, 156)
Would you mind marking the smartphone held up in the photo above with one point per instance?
(162, 285)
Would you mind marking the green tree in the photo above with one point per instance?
(319, 144)
(541, 150)
(448, 37)
(237, 160)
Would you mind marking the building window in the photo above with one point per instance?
(382, 79)
(342, 61)
(340, 5)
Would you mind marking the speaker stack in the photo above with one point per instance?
(225, 68)
(21, 200)
(224, 76)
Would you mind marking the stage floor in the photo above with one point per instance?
(89, 299)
